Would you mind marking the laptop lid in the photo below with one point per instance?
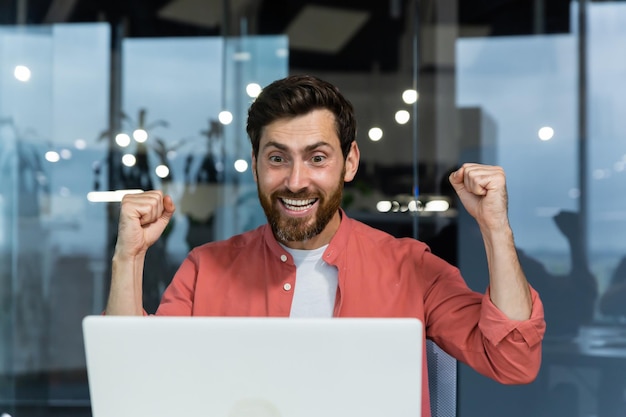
(253, 367)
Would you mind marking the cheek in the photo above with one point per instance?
(327, 180)
(327, 185)
(267, 182)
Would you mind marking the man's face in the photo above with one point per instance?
(300, 172)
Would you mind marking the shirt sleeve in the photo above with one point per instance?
(468, 326)
(496, 326)
(178, 297)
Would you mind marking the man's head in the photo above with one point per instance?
(303, 137)
(298, 95)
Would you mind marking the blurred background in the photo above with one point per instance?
(103, 97)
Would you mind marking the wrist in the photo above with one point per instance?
(123, 256)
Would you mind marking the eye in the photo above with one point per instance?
(276, 159)
(318, 159)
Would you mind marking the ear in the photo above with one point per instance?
(254, 167)
(352, 162)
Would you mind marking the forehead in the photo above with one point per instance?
(314, 127)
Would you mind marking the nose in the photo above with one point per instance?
(298, 177)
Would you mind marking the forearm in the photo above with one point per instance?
(508, 286)
(125, 295)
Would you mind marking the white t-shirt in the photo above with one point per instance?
(316, 284)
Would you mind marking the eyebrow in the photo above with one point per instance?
(309, 148)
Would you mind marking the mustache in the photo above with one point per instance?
(304, 194)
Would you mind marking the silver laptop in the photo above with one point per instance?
(253, 367)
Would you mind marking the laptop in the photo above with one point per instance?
(253, 367)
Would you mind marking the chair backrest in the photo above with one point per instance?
(442, 373)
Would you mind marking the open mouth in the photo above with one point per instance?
(298, 204)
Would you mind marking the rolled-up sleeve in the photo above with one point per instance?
(512, 348)
(468, 326)
(496, 326)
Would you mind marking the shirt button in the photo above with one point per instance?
(283, 258)
(287, 285)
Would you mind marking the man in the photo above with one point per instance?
(312, 260)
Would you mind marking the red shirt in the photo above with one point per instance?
(378, 276)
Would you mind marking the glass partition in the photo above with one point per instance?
(550, 101)
(76, 133)
(53, 99)
(250, 63)
(191, 108)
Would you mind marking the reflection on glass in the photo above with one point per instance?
(578, 275)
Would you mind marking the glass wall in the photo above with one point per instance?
(81, 125)
(96, 101)
(53, 101)
(549, 101)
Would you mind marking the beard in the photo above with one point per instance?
(299, 229)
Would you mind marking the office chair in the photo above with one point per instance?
(442, 373)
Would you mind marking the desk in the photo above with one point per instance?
(602, 348)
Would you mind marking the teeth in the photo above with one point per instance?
(298, 205)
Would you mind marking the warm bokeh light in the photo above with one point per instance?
(109, 196)
(402, 117)
(545, 133)
(140, 135)
(162, 171)
(22, 73)
(253, 90)
(122, 139)
(225, 117)
(437, 205)
(415, 205)
(383, 206)
(52, 156)
(242, 56)
(129, 160)
(80, 144)
(241, 165)
(410, 96)
(65, 153)
(375, 134)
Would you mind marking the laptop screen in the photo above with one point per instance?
(261, 367)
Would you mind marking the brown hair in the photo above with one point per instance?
(297, 95)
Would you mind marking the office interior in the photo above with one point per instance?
(99, 98)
